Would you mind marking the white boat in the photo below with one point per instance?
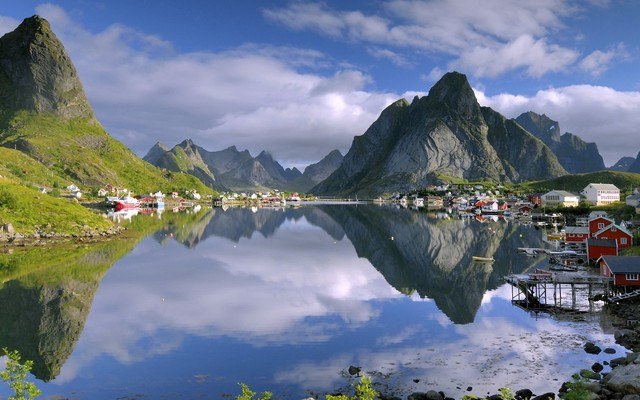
(483, 259)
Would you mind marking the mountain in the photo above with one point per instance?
(230, 169)
(575, 155)
(442, 136)
(635, 166)
(45, 114)
(622, 165)
(183, 157)
(318, 172)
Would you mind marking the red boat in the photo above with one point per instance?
(127, 203)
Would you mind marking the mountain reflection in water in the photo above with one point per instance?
(283, 299)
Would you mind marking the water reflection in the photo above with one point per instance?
(283, 299)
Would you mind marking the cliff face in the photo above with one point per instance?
(36, 73)
(623, 164)
(439, 136)
(575, 155)
(184, 157)
(635, 166)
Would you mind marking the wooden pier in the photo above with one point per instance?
(530, 291)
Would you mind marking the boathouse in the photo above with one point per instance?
(625, 270)
(623, 237)
(597, 248)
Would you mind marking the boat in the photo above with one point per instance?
(483, 259)
(126, 202)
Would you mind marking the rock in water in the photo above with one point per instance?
(354, 370)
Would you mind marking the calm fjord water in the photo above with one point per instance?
(285, 300)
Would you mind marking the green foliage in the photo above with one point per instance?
(577, 389)
(625, 181)
(30, 208)
(364, 391)
(506, 394)
(248, 394)
(7, 199)
(15, 374)
(470, 397)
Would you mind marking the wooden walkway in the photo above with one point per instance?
(530, 290)
(625, 296)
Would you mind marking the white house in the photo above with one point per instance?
(557, 198)
(601, 193)
(633, 200)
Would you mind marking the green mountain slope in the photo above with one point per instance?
(45, 114)
(625, 181)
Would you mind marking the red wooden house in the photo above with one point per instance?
(576, 234)
(619, 234)
(597, 248)
(525, 209)
(599, 223)
(625, 270)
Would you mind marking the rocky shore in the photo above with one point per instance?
(590, 383)
(45, 235)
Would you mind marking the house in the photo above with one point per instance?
(562, 198)
(622, 236)
(102, 192)
(525, 209)
(597, 248)
(599, 223)
(601, 193)
(490, 207)
(576, 234)
(633, 200)
(625, 270)
(535, 199)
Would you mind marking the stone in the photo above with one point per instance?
(9, 229)
(597, 367)
(524, 394)
(618, 361)
(546, 396)
(354, 370)
(433, 395)
(631, 397)
(624, 379)
(588, 374)
(592, 348)
(610, 350)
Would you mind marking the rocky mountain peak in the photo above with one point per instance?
(541, 126)
(454, 90)
(37, 74)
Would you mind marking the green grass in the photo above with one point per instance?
(81, 151)
(30, 209)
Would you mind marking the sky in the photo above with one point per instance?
(301, 78)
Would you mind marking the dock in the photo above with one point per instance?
(531, 291)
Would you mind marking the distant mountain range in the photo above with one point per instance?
(230, 169)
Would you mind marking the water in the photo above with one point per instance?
(286, 300)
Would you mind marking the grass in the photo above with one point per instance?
(29, 210)
(575, 183)
(81, 151)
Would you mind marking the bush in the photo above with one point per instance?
(15, 374)
(364, 391)
(7, 199)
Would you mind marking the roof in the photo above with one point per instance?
(583, 230)
(603, 186)
(623, 264)
(563, 193)
(606, 228)
(602, 242)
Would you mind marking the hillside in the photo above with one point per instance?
(625, 181)
(45, 114)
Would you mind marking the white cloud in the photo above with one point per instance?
(254, 96)
(596, 113)
(7, 24)
(498, 37)
(394, 57)
(598, 61)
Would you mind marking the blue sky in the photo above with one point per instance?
(300, 78)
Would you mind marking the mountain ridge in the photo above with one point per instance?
(444, 135)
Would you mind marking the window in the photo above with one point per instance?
(600, 225)
(614, 229)
(623, 240)
(631, 277)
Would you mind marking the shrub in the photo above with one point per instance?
(7, 199)
(364, 391)
(16, 374)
